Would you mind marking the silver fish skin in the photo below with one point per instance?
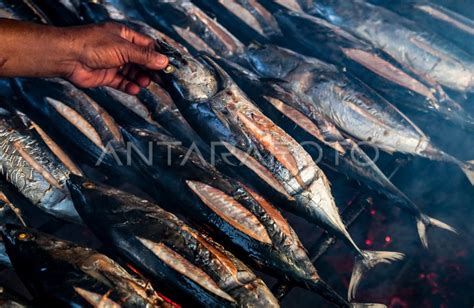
(437, 18)
(220, 111)
(425, 52)
(32, 167)
(349, 104)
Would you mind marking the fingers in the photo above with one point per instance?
(136, 37)
(144, 56)
(136, 74)
(120, 82)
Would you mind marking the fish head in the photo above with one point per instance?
(270, 61)
(193, 80)
(28, 248)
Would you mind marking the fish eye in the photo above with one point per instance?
(22, 236)
(169, 69)
(88, 185)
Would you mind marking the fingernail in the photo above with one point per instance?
(161, 61)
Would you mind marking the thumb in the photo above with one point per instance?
(144, 56)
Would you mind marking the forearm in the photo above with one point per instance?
(31, 50)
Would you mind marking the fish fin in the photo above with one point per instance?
(425, 221)
(369, 261)
(367, 305)
(468, 169)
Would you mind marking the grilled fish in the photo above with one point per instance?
(248, 20)
(351, 159)
(192, 27)
(78, 121)
(22, 10)
(36, 166)
(449, 24)
(58, 272)
(425, 52)
(235, 213)
(173, 255)
(317, 37)
(349, 104)
(220, 112)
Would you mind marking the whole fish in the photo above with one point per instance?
(33, 163)
(235, 213)
(58, 272)
(425, 52)
(351, 159)
(317, 37)
(173, 255)
(220, 112)
(445, 22)
(349, 104)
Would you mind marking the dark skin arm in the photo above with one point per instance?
(108, 54)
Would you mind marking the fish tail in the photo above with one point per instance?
(468, 169)
(366, 261)
(425, 221)
(320, 287)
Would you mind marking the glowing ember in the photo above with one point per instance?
(372, 212)
(388, 239)
(368, 242)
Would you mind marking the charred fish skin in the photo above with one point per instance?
(437, 18)
(53, 270)
(427, 53)
(236, 214)
(30, 165)
(317, 37)
(175, 256)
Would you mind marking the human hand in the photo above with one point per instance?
(113, 55)
(108, 54)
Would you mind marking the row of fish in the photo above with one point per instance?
(244, 87)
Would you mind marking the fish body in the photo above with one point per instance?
(248, 20)
(235, 213)
(78, 121)
(64, 273)
(433, 17)
(425, 52)
(22, 10)
(351, 105)
(319, 38)
(220, 112)
(170, 253)
(341, 152)
(36, 167)
(191, 26)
